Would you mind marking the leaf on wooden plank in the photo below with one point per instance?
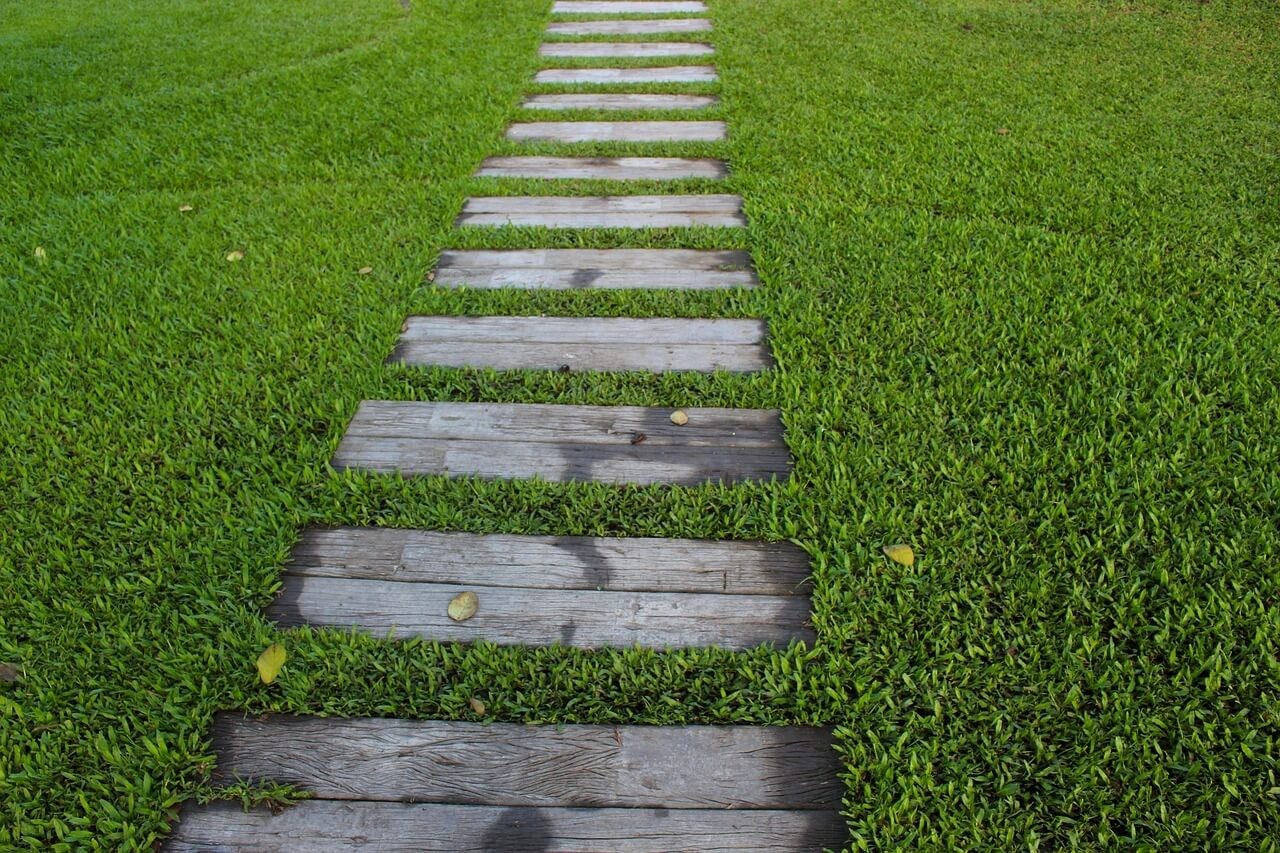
(638, 438)
(463, 606)
(185, 208)
(234, 256)
(902, 554)
(477, 706)
(679, 418)
(10, 672)
(365, 270)
(270, 662)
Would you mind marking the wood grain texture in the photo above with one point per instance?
(634, 564)
(652, 26)
(626, 49)
(570, 766)
(336, 826)
(617, 131)
(619, 101)
(626, 7)
(603, 168)
(584, 343)
(638, 76)
(634, 211)
(601, 269)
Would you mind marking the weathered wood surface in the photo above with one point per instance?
(633, 211)
(669, 74)
(626, 7)
(617, 131)
(600, 269)
(672, 767)
(655, 344)
(336, 826)
(564, 443)
(634, 564)
(651, 26)
(602, 168)
(619, 101)
(626, 49)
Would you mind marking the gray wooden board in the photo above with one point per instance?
(670, 74)
(617, 131)
(636, 564)
(337, 826)
(626, 49)
(602, 168)
(599, 269)
(619, 101)
(652, 26)
(507, 764)
(633, 211)
(626, 7)
(587, 343)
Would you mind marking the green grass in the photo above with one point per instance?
(1047, 358)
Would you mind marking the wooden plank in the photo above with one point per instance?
(636, 211)
(584, 330)
(653, 26)
(570, 766)
(626, 7)
(337, 826)
(552, 562)
(607, 269)
(619, 101)
(649, 358)
(617, 131)
(669, 74)
(603, 168)
(626, 49)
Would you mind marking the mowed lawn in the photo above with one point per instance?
(1022, 273)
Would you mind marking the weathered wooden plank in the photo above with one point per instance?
(652, 26)
(607, 269)
(626, 49)
(584, 330)
(602, 168)
(636, 211)
(552, 562)
(626, 7)
(670, 74)
(649, 358)
(686, 767)
(619, 101)
(338, 826)
(617, 131)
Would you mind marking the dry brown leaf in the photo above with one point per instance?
(638, 438)
(185, 208)
(1003, 131)
(679, 418)
(270, 662)
(10, 672)
(365, 270)
(477, 706)
(431, 276)
(463, 606)
(234, 256)
(902, 554)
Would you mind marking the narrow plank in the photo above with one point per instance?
(608, 269)
(619, 101)
(633, 564)
(570, 766)
(617, 131)
(644, 211)
(653, 26)
(626, 49)
(338, 826)
(626, 7)
(603, 168)
(669, 74)
(584, 330)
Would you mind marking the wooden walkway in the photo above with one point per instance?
(408, 785)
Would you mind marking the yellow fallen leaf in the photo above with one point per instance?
(365, 270)
(41, 254)
(679, 418)
(237, 255)
(270, 662)
(900, 554)
(185, 208)
(463, 606)
(477, 706)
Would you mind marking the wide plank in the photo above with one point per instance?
(602, 168)
(637, 211)
(672, 767)
(584, 330)
(625, 49)
(599, 269)
(340, 826)
(652, 26)
(619, 101)
(637, 76)
(626, 7)
(637, 564)
(617, 131)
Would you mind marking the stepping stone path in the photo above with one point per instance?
(405, 785)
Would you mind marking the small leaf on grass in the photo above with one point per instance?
(900, 554)
(365, 270)
(463, 606)
(679, 418)
(237, 255)
(41, 254)
(477, 706)
(185, 208)
(9, 672)
(431, 276)
(1003, 131)
(270, 662)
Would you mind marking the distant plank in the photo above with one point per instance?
(570, 766)
(600, 269)
(626, 49)
(637, 211)
(564, 443)
(584, 343)
(551, 562)
(669, 74)
(652, 26)
(626, 7)
(619, 101)
(617, 131)
(603, 168)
